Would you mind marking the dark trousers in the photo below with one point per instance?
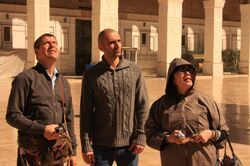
(105, 156)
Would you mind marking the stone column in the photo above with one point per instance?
(245, 39)
(213, 37)
(38, 13)
(217, 85)
(170, 31)
(104, 15)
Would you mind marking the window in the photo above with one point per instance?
(6, 34)
(183, 40)
(7, 37)
(143, 38)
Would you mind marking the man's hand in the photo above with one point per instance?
(49, 132)
(72, 161)
(89, 158)
(136, 148)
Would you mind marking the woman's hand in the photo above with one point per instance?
(202, 137)
(177, 138)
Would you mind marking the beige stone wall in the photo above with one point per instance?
(136, 17)
(12, 62)
(71, 4)
(63, 27)
(139, 6)
(192, 8)
(195, 9)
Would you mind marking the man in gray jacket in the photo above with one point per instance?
(40, 100)
(114, 107)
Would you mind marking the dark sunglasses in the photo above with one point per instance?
(185, 68)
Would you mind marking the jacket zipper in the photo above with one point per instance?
(54, 105)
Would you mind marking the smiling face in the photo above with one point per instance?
(183, 78)
(48, 51)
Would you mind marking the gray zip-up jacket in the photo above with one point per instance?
(33, 104)
(191, 113)
(114, 106)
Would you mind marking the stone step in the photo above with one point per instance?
(149, 72)
(152, 57)
(147, 64)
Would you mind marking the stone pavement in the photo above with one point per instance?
(231, 92)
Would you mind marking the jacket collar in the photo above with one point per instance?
(41, 69)
(123, 63)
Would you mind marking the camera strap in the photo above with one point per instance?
(63, 105)
(62, 94)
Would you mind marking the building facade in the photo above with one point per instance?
(159, 30)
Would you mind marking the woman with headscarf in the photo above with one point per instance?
(184, 124)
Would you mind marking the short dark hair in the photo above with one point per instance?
(38, 41)
(102, 34)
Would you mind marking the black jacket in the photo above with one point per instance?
(33, 104)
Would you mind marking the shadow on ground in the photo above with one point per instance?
(237, 118)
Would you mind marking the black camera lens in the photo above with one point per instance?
(59, 129)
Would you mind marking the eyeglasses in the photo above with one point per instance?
(183, 69)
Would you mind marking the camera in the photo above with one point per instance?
(181, 135)
(60, 129)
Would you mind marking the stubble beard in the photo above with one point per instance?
(117, 55)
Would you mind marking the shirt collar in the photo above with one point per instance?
(55, 74)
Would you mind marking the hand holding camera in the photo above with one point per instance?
(50, 133)
(180, 134)
(60, 129)
(177, 137)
